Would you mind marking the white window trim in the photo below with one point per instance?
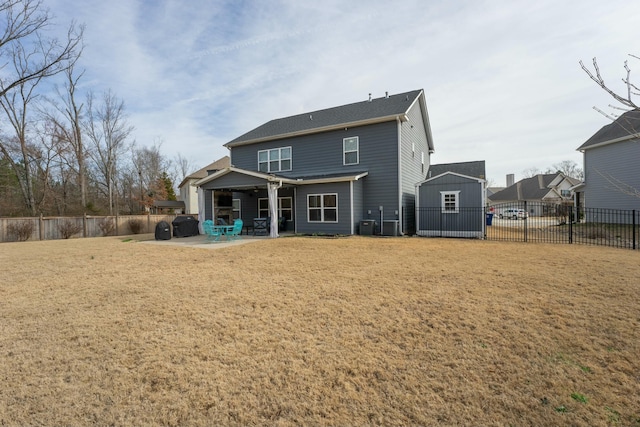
(443, 195)
(322, 207)
(268, 162)
(280, 209)
(344, 151)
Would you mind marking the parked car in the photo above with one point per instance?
(514, 214)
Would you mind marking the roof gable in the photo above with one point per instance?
(474, 169)
(625, 127)
(219, 164)
(360, 113)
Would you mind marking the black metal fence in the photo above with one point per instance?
(535, 222)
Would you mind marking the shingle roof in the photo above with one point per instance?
(377, 108)
(221, 163)
(475, 169)
(534, 188)
(626, 125)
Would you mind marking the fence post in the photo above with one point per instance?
(633, 229)
(525, 220)
(117, 227)
(571, 219)
(41, 227)
(84, 225)
(148, 223)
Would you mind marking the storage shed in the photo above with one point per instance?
(450, 203)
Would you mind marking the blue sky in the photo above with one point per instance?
(501, 78)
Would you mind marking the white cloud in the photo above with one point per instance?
(502, 79)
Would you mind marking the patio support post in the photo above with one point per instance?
(272, 189)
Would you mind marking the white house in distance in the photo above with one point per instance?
(189, 193)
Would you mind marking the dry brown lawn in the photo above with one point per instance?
(318, 331)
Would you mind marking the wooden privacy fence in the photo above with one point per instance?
(52, 228)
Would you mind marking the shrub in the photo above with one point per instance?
(135, 225)
(21, 230)
(68, 228)
(107, 226)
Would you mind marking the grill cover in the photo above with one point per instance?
(163, 231)
(185, 226)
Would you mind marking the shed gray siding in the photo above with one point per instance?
(470, 191)
(343, 226)
(604, 165)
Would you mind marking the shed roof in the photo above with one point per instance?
(475, 169)
(374, 110)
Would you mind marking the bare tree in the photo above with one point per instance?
(108, 132)
(568, 168)
(530, 172)
(66, 118)
(626, 98)
(19, 148)
(22, 35)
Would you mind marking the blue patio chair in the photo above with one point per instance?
(213, 233)
(233, 233)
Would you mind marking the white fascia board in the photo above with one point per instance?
(611, 141)
(401, 117)
(228, 170)
(451, 173)
(330, 180)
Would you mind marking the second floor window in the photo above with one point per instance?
(274, 160)
(350, 148)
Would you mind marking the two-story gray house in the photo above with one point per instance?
(325, 171)
(611, 157)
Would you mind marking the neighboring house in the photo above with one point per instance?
(611, 158)
(189, 192)
(325, 171)
(450, 202)
(543, 190)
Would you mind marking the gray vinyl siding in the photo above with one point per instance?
(606, 164)
(343, 226)
(413, 144)
(470, 191)
(321, 154)
(358, 204)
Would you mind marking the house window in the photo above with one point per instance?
(236, 209)
(274, 160)
(565, 193)
(449, 201)
(350, 148)
(322, 208)
(284, 208)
